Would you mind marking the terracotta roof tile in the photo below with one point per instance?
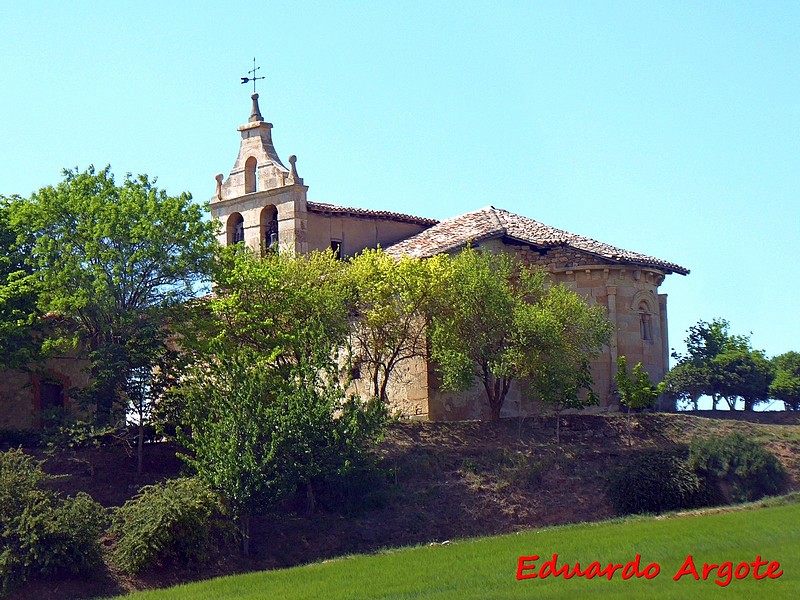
(491, 222)
(324, 208)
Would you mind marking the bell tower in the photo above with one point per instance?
(262, 203)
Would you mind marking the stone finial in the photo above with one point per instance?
(293, 176)
(255, 113)
(219, 186)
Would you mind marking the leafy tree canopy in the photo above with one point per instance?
(265, 408)
(498, 321)
(109, 257)
(721, 365)
(786, 385)
(19, 293)
(393, 301)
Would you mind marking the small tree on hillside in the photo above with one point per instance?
(786, 385)
(473, 329)
(636, 391)
(686, 382)
(697, 374)
(556, 359)
(498, 321)
(392, 304)
(742, 373)
(721, 365)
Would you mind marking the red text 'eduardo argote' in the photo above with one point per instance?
(722, 573)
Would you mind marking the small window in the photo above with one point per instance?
(645, 322)
(51, 395)
(355, 372)
(336, 247)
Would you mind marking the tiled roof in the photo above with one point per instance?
(324, 208)
(491, 222)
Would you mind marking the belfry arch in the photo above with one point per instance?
(269, 228)
(235, 229)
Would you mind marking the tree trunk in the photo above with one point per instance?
(311, 502)
(558, 426)
(376, 387)
(628, 419)
(384, 384)
(140, 448)
(244, 530)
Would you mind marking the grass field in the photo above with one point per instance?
(487, 567)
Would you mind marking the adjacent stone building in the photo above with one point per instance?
(264, 204)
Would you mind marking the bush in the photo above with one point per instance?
(658, 481)
(743, 469)
(41, 533)
(178, 521)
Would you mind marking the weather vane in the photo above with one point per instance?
(253, 78)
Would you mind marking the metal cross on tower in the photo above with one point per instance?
(253, 78)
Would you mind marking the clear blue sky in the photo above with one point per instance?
(669, 128)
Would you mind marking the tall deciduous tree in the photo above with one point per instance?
(721, 365)
(392, 307)
(264, 404)
(294, 311)
(498, 321)
(111, 256)
(19, 289)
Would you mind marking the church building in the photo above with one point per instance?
(264, 204)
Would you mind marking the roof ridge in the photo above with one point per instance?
(495, 212)
(368, 212)
(489, 222)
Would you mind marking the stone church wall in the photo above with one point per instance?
(356, 233)
(20, 399)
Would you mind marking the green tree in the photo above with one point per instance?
(687, 382)
(472, 331)
(714, 365)
(786, 385)
(497, 322)
(742, 373)
(109, 258)
(636, 391)
(294, 311)
(19, 312)
(392, 305)
(266, 412)
(556, 339)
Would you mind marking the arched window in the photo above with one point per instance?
(645, 322)
(235, 229)
(269, 228)
(251, 175)
(51, 395)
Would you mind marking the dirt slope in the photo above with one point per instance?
(442, 481)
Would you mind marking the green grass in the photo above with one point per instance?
(486, 567)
